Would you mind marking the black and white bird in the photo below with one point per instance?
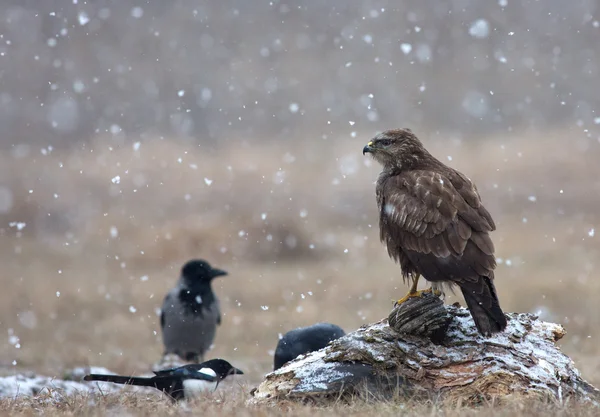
(304, 340)
(184, 382)
(190, 312)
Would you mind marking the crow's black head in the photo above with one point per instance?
(221, 367)
(196, 293)
(199, 271)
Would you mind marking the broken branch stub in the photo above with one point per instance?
(459, 365)
(423, 316)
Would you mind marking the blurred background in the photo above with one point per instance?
(136, 135)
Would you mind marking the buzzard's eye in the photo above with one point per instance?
(385, 142)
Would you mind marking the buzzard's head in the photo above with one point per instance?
(398, 147)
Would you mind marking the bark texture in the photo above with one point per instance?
(433, 351)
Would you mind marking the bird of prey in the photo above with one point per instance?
(434, 224)
(185, 382)
(190, 312)
(304, 340)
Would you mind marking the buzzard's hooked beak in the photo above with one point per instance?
(368, 148)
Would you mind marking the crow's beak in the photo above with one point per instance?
(368, 148)
(236, 371)
(218, 272)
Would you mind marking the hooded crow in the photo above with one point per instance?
(304, 340)
(190, 312)
(180, 383)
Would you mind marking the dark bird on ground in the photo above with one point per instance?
(190, 312)
(304, 340)
(180, 383)
(433, 222)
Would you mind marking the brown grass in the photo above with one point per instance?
(324, 198)
(235, 405)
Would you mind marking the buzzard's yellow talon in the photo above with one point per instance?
(413, 291)
(419, 293)
(409, 296)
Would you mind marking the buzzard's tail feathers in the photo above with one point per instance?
(118, 379)
(484, 306)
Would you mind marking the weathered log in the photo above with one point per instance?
(439, 356)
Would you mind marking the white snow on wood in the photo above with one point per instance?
(522, 360)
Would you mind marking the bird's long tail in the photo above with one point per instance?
(484, 306)
(118, 379)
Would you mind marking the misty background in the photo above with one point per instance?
(219, 72)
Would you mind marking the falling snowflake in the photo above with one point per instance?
(406, 48)
(19, 225)
(137, 12)
(480, 29)
(83, 18)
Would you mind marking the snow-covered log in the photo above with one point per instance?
(433, 351)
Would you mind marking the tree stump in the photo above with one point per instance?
(428, 350)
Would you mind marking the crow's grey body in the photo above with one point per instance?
(185, 333)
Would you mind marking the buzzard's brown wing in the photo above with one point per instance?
(424, 212)
(435, 224)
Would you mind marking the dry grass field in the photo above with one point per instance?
(104, 229)
(220, 405)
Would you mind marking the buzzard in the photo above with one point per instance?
(433, 223)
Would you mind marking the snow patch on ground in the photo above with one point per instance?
(29, 384)
(21, 385)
